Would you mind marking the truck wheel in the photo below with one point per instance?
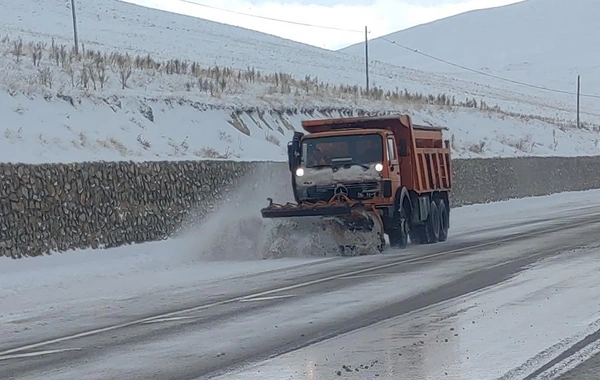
(417, 234)
(444, 220)
(432, 225)
(399, 235)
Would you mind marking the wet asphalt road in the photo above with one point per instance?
(210, 334)
(588, 370)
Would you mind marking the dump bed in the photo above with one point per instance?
(426, 167)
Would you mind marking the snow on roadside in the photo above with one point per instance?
(41, 130)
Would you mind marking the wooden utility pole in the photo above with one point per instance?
(578, 96)
(367, 58)
(75, 27)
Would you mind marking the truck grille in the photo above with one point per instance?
(357, 191)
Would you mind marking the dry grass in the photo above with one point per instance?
(523, 144)
(208, 152)
(91, 69)
(113, 143)
(94, 70)
(479, 147)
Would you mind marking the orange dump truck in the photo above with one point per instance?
(368, 177)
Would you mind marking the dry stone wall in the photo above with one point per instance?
(58, 207)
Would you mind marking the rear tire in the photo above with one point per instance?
(444, 220)
(432, 225)
(417, 234)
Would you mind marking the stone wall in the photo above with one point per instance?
(57, 207)
(496, 179)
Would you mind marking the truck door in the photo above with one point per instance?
(393, 163)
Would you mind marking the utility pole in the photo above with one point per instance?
(367, 58)
(578, 96)
(75, 27)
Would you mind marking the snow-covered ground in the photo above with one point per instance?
(59, 109)
(37, 130)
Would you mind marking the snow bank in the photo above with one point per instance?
(91, 128)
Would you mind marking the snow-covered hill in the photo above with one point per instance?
(210, 89)
(542, 42)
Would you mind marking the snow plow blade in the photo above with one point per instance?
(357, 228)
(291, 210)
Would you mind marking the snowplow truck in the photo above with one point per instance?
(368, 177)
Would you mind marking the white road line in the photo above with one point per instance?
(364, 276)
(166, 319)
(267, 298)
(37, 353)
(283, 289)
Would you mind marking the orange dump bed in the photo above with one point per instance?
(427, 165)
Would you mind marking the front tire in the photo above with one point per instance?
(399, 235)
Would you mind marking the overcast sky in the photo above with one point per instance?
(381, 16)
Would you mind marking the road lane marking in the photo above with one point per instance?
(364, 276)
(289, 287)
(37, 353)
(171, 319)
(251, 299)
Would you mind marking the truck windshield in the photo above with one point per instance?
(342, 150)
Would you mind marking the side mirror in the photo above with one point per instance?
(402, 148)
(295, 151)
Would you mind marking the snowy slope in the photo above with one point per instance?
(58, 109)
(543, 42)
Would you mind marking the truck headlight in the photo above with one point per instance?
(299, 172)
(378, 167)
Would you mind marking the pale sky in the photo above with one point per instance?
(380, 16)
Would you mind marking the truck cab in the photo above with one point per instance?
(362, 165)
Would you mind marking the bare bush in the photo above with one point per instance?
(209, 152)
(46, 77)
(479, 147)
(101, 73)
(84, 77)
(17, 50)
(124, 68)
(36, 52)
(91, 72)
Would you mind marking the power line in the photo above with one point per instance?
(487, 74)
(272, 18)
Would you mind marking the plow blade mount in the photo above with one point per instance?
(356, 229)
(293, 211)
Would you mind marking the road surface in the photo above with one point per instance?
(514, 298)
